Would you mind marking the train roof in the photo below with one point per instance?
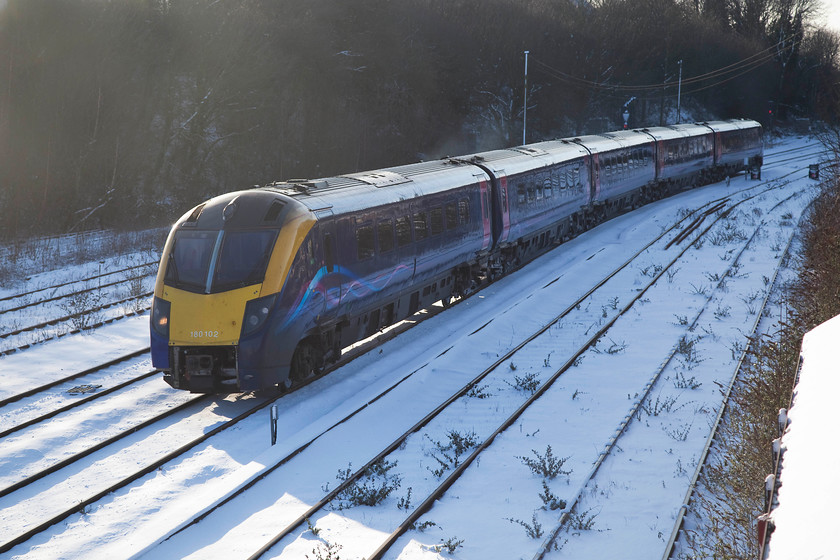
(732, 124)
(369, 189)
(677, 131)
(608, 141)
(518, 159)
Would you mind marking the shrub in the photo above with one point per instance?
(548, 466)
(448, 455)
(371, 488)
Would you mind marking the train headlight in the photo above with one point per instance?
(256, 313)
(160, 317)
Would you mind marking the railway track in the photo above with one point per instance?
(777, 158)
(679, 524)
(287, 459)
(22, 300)
(573, 507)
(71, 377)
(381, 458)
(54, 456)
(63, 326)
(41, 403)
(125, 457)
(50, 312)
(568, 511)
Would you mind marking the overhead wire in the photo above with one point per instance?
(553, 72)
(739, 68)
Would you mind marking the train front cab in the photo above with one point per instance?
(222, 272)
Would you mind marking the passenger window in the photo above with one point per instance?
(436, 220)
(451, 216)
(531, 194)
(520, 194)
(403, 231)
(364, 242)
(420, 231)
(385, 232)
(464, 211)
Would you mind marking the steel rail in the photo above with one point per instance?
(82, 504)
(72, 316)
(76, 403)
(51, 384)
(99, 446)
(680, 521)
(570, 507)
(71, 294)
(68, 283)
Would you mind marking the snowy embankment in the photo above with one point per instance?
(807, 495)
(703, 307)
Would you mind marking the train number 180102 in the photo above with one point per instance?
(204, 334)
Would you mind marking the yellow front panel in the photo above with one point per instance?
(289, 241)
(207, 319)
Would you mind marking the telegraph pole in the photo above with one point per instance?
(679, 91)
(525, 117)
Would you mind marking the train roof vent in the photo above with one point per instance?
(530, 150)
(304, 185)
(476, 159)
(379, 178)
(273, 211)
(195, 214)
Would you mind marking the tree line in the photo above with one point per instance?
(125, 114)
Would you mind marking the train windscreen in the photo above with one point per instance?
(215, 261)
(243, 258)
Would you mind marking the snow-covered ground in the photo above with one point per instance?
(679, 340)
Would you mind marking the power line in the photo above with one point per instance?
(738, 68)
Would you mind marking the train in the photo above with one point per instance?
(262, 288)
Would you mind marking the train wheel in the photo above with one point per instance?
(305, 363)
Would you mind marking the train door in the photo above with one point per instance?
(595, 179)
(501, 208)
(499, 211)
(486, 218)
(330, 275)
